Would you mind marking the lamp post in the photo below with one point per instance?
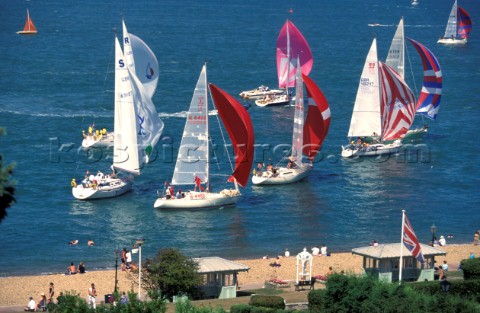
(139, 243)
(433, 230)
(116, 268)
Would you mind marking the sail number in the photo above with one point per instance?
(197, 196)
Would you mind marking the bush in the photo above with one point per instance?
(316, 300)
(261, 309)
(240, 308)
(274, 302)
(470, 268)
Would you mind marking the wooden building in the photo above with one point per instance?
(220, 277)
(382, 261)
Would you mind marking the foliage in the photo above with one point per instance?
(316, 300)
(240, 308)
(71, 302)
(171, 273)
(470, 268)
(468, 289)
(7, 189)
(366, 294)
(185, 306)
(274, 302)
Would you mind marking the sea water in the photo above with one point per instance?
(55, 84)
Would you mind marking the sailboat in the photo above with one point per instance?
(137, 127)
(384, 110)
(429, 99)
(193, 161)
(308, 136)
(458, 27)
(29, 28)
(291, 44)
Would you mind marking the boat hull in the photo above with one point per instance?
(199, 200)
(281, 100)
(283, 176)
(107, 189)
(260, 93)
(452, 41)
(27, 32)
(106, 141)
(372, 150)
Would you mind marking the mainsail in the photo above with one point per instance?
(428, 102)
(125, 156)
(396, 53)
(318, 119)
(240, 129)
(292, 45)
(366, 116)
(298, 118)
(398, 104)
(143, 64)
(192, 159)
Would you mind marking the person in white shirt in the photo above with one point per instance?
(287, 253)
(315, 250)
(128, 255)
(92, 294)
(323, 250)
(442, 241)
(31, 306)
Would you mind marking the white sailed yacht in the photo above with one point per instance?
(384, 110)
(137, 126)
(193, 160)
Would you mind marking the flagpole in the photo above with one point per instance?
(401, 250)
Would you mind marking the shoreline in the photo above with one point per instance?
(17, 288)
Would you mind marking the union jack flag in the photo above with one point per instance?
(410, 240)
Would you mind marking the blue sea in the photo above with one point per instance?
(58, 82)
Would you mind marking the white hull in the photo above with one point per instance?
(105, 141)
(452, 41)
(276, 100)
(260, 92)
(199, 200)
(371, 150)
(283, 176)
(107, 188)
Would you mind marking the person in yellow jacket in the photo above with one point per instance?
(74, 183)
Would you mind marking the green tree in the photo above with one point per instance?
(7, 189)
(171, 273)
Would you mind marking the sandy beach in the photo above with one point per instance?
(16, 290)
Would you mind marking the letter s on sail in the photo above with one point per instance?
(121, 63)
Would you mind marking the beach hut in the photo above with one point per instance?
(220, 277)
(382, 262)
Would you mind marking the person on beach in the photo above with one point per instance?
(51, 293)
(81, 268)
(472, 255)
(445, 266)
(31, 306)
(92, 294)
(323, 250)
(124, 257)
(315, 250)
(42, 303)
(71, 270)
(128, 259)
(475, 238)
(442, 241)
(124, 298)
(287, 253)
